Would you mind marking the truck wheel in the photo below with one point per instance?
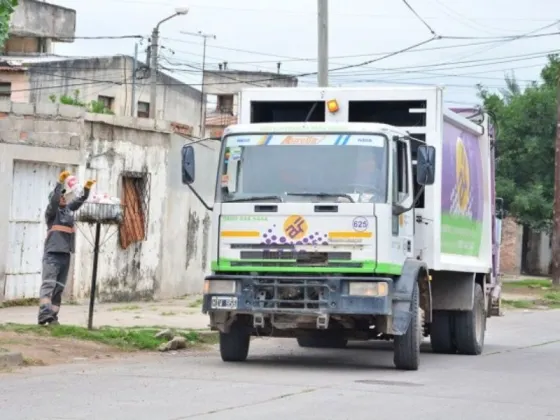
(329, 342)
(470, 326)
(234, 345)
(441, 333)
(407, 346)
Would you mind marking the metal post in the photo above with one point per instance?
(202, 95)
(556, 218)
(134, 70)
(202, 127)
(94, 275)
(323, 43)
(153, 71)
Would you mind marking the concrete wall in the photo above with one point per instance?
(34, 18)
(111, 76)
(231, 82)
(173, 258)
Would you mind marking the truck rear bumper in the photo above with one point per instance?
(297, 295)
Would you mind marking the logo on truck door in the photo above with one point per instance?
(295, 227)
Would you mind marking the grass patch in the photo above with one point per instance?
(28, 361)
(529, 284)
(20, 302)
(518, 304)
(170, 313)
(123, 338)
(125, 308)
(196, 303)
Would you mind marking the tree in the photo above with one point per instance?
(526, 122)
(7, 7)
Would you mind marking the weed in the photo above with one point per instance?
(125, 308)
(123, 338)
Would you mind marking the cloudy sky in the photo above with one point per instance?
(257, 34)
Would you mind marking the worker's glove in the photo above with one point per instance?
(89, 183)
(62, 177)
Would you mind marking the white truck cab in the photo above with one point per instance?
(333, 230)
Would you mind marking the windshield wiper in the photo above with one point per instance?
(322, 194)
(254, 198)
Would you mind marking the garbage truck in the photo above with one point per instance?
(352, 214)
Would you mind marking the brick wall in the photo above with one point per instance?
(511, 246)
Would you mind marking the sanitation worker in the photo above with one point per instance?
(59, 245)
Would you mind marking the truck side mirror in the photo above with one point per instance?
(187, 164)
(426, 165)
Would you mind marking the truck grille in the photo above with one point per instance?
(271, 293)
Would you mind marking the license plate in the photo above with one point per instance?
(224, 302)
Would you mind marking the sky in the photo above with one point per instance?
(257, 34)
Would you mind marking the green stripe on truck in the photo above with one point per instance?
(368, 267)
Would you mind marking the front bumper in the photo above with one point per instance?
(298, 295)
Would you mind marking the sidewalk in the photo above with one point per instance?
(177, 313)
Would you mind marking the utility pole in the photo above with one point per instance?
(134, 71)
(556, 217)
(204, 37)
(323, 43)
(154, 59)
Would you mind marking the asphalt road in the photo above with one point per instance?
(518, 377)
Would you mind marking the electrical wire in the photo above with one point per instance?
(432, 31)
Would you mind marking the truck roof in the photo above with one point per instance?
(387, 88)
(313, 127)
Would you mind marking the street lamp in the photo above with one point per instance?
(180, 11)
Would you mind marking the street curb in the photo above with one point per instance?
(10, 359)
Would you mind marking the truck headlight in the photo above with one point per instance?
(214, 287)
(368, 288)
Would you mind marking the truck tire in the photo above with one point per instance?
(407, 346)
(441, 333)
(326, 342)
(470, 326)
(234, 345)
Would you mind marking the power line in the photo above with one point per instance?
(311, 59)
(296, 12)
(70, 38)
(458, 65)
(435, 66)
(515, 38)
(419, 18)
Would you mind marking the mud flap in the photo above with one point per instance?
(402, 296)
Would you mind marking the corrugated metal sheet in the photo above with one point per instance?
(133, 227)
(32, 183)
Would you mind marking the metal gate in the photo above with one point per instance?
(31, 185)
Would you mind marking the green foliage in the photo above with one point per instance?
(7, 8)
(526, 119)
(95, 107)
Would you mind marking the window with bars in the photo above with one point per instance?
(135, 198)
(5, 90)
(143, 110)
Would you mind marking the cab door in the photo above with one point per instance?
(402, 243)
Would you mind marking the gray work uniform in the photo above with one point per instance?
(59, 245)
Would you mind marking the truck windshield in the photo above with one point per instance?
(297, 167)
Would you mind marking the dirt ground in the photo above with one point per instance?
(43, 351)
